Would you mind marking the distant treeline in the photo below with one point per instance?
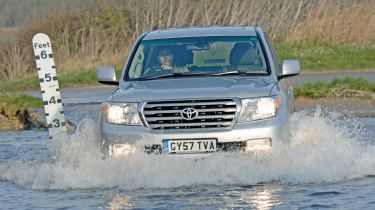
(101, 32)
(18, 13)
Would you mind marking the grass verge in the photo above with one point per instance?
(341, 88)
(67, 79)
(11, 103)
(328, 56)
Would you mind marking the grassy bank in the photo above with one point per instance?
(72, 79)
(14, 113)
(77, 78)
(328, 56)
(11, 104)
(339, 88)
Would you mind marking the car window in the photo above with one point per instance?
(205, 55)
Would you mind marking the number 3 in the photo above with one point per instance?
(57, 123)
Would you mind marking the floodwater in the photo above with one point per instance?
(329, 163)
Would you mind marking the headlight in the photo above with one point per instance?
(121, 113)
(259, 108)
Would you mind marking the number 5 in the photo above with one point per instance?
(48, 77)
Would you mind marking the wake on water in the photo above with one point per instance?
(320, 150)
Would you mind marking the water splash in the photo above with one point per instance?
(320, 150)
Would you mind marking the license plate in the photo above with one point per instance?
(189, 146)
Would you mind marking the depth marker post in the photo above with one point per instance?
(49, 85)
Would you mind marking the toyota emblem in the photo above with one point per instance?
(189, 113)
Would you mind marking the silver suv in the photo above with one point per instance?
(198, 91)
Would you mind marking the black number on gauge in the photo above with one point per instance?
(57, 123)
(43, 54)
(52, 100)
(48, 77)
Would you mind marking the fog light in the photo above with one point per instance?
(258, 145)
(120, 150)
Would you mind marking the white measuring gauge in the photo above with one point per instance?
(49, 85)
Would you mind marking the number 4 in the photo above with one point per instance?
(52, 100)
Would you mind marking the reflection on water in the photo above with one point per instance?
(262, 199)
(119, 201)
(254, 197)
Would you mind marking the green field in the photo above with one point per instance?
(325, 56)
(69, 79)
(342, 88)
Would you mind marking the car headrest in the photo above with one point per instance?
(183, 56)
(243, 54)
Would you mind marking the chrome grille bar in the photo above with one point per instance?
(191, 104)
(190, 124)
(218, 113)
(199, 110)
(150, 119)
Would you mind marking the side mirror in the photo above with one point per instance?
(290, 68)
(106, 75)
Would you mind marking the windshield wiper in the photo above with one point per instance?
(242, 73)
(174, 75)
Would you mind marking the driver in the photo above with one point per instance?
(165, 62)
(165, 59)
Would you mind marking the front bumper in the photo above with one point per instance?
(276, 129)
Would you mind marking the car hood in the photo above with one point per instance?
(185, 88)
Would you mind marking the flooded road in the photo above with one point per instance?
(329, 163)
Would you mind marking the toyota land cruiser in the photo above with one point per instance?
(198, 91)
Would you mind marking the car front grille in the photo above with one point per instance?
(164, 115)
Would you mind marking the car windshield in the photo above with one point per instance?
(197, 56)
